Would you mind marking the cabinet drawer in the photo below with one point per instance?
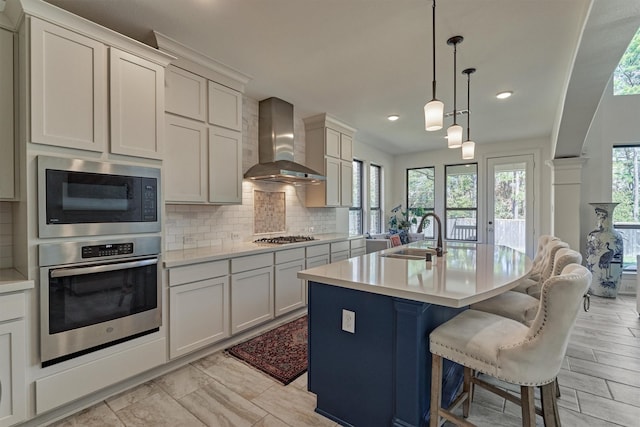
(357, 243)
(289, 255)
(317, 250)
(358, 252)
(317, 261)
(251, 262)
(197, 272)
(339, 256)
(340, 246)
(12, 306)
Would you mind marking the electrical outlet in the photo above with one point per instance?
(188, 240)
(348, 321)
(235, 236)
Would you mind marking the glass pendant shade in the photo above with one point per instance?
(468, 150)
(433, 115)
(454, 136)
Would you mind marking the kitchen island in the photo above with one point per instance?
(369, 324)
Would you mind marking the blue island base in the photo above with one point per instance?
(380, 375)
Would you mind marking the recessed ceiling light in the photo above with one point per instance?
(504, 95)
(393, 117)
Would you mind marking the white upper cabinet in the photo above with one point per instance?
(186, 94)
(7, 170)
(79, 99)
(225, 166)
(329, 150)
(186, 160)
(225, 107)
(68, 88)
(137, 106)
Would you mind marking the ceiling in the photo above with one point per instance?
(362, 60)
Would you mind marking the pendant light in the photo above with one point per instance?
(434, 109)
(468, 147)
(454, 132)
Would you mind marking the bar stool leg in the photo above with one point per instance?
(550, 412)
(528, 406)
(467, 388)
(436, 389)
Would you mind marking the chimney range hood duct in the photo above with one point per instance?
(275, 147)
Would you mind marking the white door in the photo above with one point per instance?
(510, 200)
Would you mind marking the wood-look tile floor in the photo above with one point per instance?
(599, 382)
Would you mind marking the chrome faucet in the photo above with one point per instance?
(439, 248)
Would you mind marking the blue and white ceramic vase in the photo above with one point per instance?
(604, 253)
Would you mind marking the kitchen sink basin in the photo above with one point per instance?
(409, 253)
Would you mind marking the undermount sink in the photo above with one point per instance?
(409, 253)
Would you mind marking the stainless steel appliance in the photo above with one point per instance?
(283, 240)
(97, 293)
(85, 198)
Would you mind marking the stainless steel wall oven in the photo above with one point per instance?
(85, 198)
(97, 293)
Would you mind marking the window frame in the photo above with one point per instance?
(357, 165)
(448, 208)
(372, 209)
(425, 209)
(631, 266)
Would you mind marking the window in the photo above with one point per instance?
(375, 212)
(625, 167)
(461, 202)
(355, 211)
(626, 76)
(420, 197)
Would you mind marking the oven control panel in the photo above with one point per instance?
(107, 250)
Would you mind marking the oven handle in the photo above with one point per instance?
(67, 272)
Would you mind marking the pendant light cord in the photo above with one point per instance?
(468, 105)
(455, 67)
(433, 44)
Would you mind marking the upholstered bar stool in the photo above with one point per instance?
(546, 266)
(510, 351)
(523, 307)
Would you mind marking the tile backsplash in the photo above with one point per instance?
(6, 235)
(269, 212)
(191, 226)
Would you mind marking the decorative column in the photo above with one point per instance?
(566, 181)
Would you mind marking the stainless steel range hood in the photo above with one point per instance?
(275, 147)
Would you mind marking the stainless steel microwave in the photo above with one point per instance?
(87, 198)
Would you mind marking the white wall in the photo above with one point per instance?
(439, 158)
(616, 122)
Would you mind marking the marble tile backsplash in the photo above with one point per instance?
(269, 212)
(192, 226)
(6, 235)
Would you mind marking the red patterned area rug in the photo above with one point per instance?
(280, 352)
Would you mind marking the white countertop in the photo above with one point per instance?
(466, 274)
(12, 281)
(238, 248)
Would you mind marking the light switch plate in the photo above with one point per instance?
(348, 321)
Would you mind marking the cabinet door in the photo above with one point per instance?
(346, 183)
(7, 161)
(198, 315)
(185, 161)
(225, 166)
(137, 105)
(332, 169)
(346, 147)
(332, 143)
(289, 290)
(68, 88)
(251, 298)
(225, 107)
(186, 93)
(12, 373)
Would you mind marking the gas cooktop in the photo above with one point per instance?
(283, 240)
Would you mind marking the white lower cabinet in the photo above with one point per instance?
(290, 292)
(357, 247)
(198, 306)
(251, 291)
(12, 360)
(340, 251)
